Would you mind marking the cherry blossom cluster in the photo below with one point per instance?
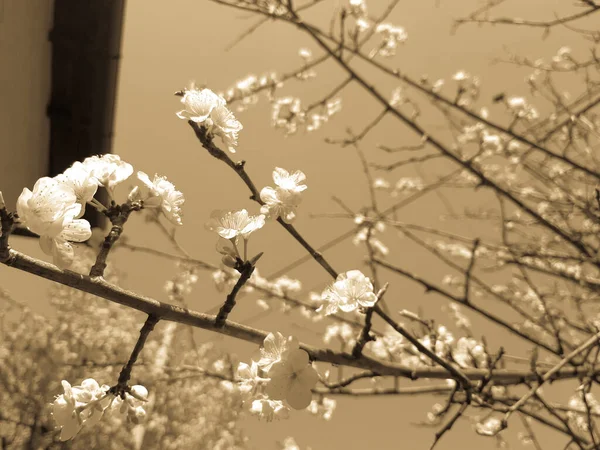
(283, 200)
(230, 226)
(323, 407)
(208, 109)
(468, 87)
(579, 405)
(86, 404)
(350, 291)
(308, 73)
(246, 90)
(287, 113)
(283, 377)
(467, 352)
(391, 36)
(366, 235)
(54, 208)
(357, 10)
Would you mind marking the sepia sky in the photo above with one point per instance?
(168, 44)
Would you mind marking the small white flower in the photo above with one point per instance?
(250, 382)
(461, 75)
(79, 405)
(323, 407)
(269, 409)
(287, 113)
(274, 349)
(230, 224)
(163, 194)
(139, 392)
(108, 169)
(362, 25)
(198, 104)
(490, 427)
(285, 285)
(279, 203)
(350, 290)
(292, 379)
(283, 200)
(358, 8)
(65, 414)
(132, 407)
(289, 182)
(226, 126)
(84, 185)
(305, 54)
(50, 211)
(521, 109)
(137, 415)
(392, 36)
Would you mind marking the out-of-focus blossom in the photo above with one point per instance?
(269, 409)
(357, 8)
(287, 113)
(489, 427)
(292, 379)
(391, 37)
(323, 407)
(519, 107)
(470, 353)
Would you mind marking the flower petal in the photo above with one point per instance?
(277, 388)
(298, 359)
(77, 231)
(308, 377)
(299, 398)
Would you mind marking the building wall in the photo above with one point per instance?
(25, 60)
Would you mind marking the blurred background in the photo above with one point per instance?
(79, 78)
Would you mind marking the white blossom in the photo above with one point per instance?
(50, 211)
(79, 405)
(489, 427)
(323, 407)
(283, 200)
(350, 290)
(79, 178)
(198, 104)
(287, 113)
(250, 382)
(289, 182)
(269, 409)
(108, 169)
(208, 109)
(226, 126)
(391, 37)
(357, 8)
(231, 224)
(274, 349)
(163, 194)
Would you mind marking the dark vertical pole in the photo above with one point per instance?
(86, 42)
